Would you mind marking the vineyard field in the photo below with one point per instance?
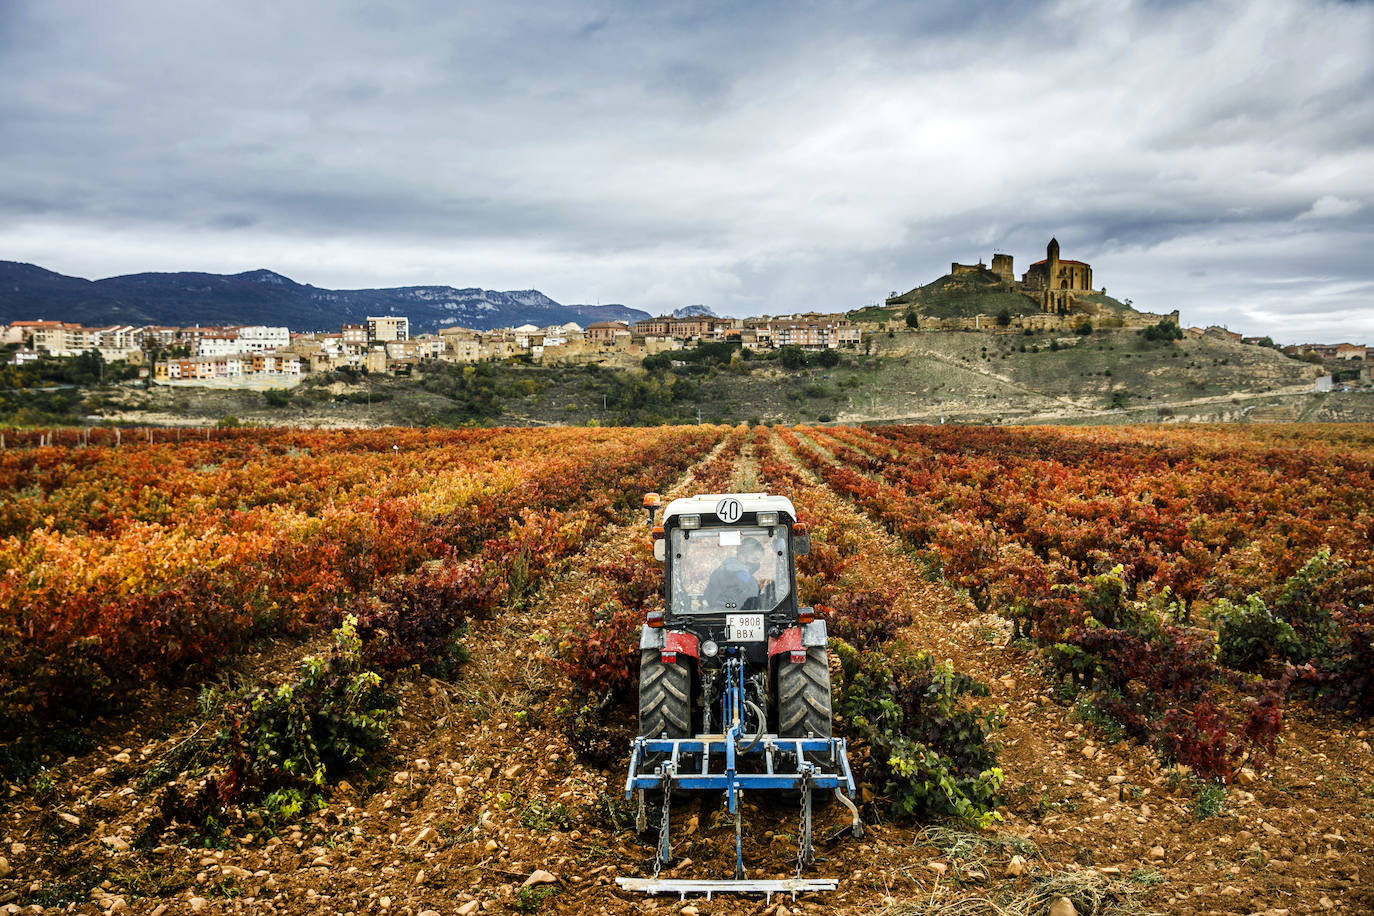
(394, 670)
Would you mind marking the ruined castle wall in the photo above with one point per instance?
(1001, 265)
(1036, 321)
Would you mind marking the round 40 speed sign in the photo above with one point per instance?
(729, 511)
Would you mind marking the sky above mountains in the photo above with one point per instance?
(1215, 157)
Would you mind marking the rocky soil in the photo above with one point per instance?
(479, 803)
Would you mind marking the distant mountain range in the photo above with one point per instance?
(267, 298)
(694, 311)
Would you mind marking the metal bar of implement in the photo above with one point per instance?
(717, 743)
(767, 886)
(844, 763)
(634, 768)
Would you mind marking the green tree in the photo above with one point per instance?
(1165, 330)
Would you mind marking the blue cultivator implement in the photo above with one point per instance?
(732, 763)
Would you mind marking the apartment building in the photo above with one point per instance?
(662, 326)
(62, 339)
(246, 339)
(418, 348)
(159, 337)
(387, 328)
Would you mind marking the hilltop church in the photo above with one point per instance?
(1056, 279)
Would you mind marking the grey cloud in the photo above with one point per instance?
(757, 157)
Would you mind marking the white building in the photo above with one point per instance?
(220, 344)
(527, 335)
(260, 339)
(250, 339)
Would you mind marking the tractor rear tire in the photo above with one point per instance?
(804, 700)
(665, 697)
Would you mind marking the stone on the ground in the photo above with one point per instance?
(540, 877)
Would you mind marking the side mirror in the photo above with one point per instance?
(660, 550)
(801, 544)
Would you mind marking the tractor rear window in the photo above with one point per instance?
(716, 570)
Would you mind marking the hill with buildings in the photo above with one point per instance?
(1000, 375)
(977, 345)
(262, 297)
(1052, 292)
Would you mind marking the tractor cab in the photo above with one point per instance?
(730, 577)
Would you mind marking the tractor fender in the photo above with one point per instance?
(668, 641)
(685, 643)
(795, 639)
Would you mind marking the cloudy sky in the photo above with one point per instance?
(1215, 157)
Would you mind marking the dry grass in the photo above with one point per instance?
(1092, 894)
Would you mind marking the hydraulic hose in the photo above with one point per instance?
(763, 724)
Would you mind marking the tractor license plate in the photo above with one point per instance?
(744, 628)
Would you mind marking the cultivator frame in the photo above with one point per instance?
(788, 764)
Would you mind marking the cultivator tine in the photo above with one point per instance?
(739, 837)
(854, 828)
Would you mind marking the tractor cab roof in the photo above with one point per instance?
(713, 505)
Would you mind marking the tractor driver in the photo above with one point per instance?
(736, 583)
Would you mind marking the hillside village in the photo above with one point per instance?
(383, 344)
(191, 355)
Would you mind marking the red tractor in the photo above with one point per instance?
(734, 681)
